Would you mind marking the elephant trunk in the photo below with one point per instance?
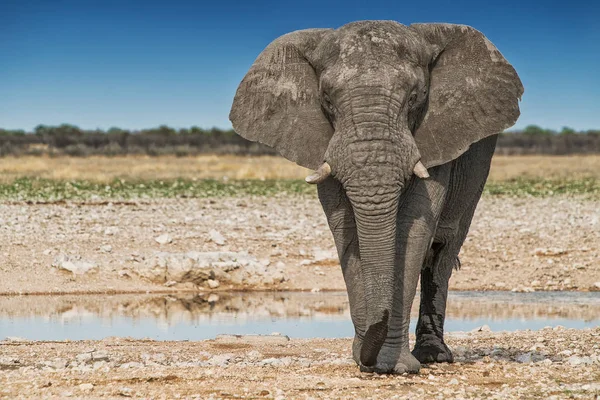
(374, 199)
(377, 244)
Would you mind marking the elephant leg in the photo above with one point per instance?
(467, 179)
(340, 217)
(419, 210)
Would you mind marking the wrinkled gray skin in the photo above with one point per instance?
(371, 99)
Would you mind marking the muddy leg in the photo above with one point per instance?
(468, 176)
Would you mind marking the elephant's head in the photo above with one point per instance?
(372, 104)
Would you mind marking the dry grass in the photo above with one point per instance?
(106, 169)
(545, 167)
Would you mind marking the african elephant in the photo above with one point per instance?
(400, 123)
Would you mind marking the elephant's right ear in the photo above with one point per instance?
(278, 104)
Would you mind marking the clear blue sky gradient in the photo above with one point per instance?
(139, 64)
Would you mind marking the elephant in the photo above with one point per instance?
(400, 124)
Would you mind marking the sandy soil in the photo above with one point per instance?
(514, 244)
(550, 363)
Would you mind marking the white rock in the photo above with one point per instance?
(84, 357)
(597, 285)
(323, 255)
(106, 248)
(74, 265)
(57, 363)
(576, 360)
(453, 381)
(131, 365)
(220, 360)
(213, 283)
(126, 392)
(111, 230)
(524, 358)
(253, 355)
(216, 237)
(86, 387)
(165, 238)
(197, 267)
(123, 273)
(100, 355)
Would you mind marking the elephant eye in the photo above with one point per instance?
(327, 103)
(412, 99)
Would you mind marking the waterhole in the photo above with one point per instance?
(298, 315)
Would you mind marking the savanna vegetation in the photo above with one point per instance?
(71, 140)
(50, 179)
(56, 163)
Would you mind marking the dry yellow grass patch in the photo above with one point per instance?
(548, 167)
(105, 169)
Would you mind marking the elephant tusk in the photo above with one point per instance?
(320, 174)
(420, 170)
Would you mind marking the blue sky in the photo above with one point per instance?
(139, 64)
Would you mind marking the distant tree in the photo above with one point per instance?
(567, 131)
(194, 130)
(41, 130)
(534, 130)
(166, 130)
(113, 130)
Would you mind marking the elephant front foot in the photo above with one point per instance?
(389, 361)
(432, 349)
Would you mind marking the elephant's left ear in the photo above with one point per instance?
(474, 92)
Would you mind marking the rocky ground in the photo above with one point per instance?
(282, 242)
(553, 363)
(210, 246)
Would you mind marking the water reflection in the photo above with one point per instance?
(201, 316)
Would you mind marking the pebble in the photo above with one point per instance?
(86, 387)
(131, 365)
(216, 237)
(111, 230)
(126, 392)
(165, 238)
(100, 356)
(57, 363)
(524, 358)
(74, 264)
(213, 283)
(84, 357)
(220, 360)
(576, 360)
